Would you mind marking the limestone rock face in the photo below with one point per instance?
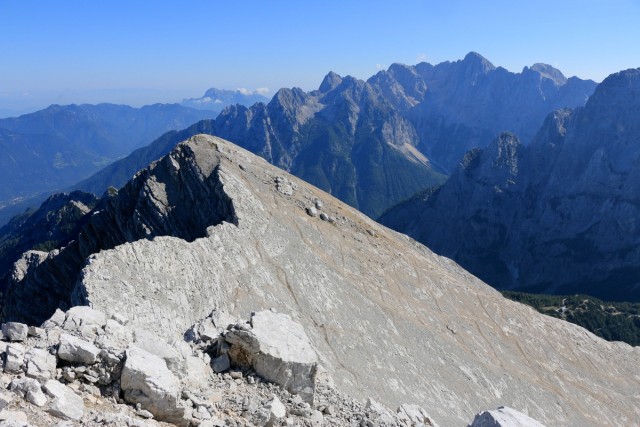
(387, 318)
(557, 216)
(147, 380)
(279, 350)
(503, 417)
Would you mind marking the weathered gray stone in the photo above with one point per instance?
(84, 316)
(276, 411)
(14, 358)
(415, 415)
(5, 399)
(14, 331)
(376, 310)
(66, 403)
(173, 358)
(504, 417)
(206, 330)
(278, 349)
(41, 364)
(77, 350)
(147, 380)
(312, 211)
(34, 331)
(221, 363)
(57, 319)
(29, 389)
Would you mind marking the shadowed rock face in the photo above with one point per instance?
(180, 195)
(387, 317)
(557, 216)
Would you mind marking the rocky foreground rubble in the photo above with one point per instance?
(83, 368)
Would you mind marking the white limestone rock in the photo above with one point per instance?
(57, 319)
(83, 316)
(29, 389)
(15, 331)
(41, 364)
(77, 350)
(504, 417)
(278, 349)
(150, 342)
(66, 403)
(14, 358)
(147, 380)
(415, 415)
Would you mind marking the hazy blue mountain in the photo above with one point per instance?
(375, 143)
(455, 106)
(342, 138)
(217, 99)
(560, 215)
(52, 149)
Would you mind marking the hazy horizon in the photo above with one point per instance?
(143, 53)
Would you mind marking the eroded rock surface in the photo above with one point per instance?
(387, 318)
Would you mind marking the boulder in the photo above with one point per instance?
(278, 349)
(41, 364)
(84, 316)
(14, 358)
(66, 403)
(504, 417)
(77, 350)
(150, 342)
(57, 319)
(14, 331)
(147, 380)
(29, 389)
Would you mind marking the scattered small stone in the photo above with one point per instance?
(144, 414)
(312, 211)
(319, 204)
(236, 375)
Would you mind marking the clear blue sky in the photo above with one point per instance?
(140, 52)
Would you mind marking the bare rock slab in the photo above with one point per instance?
(41, 364)
(66, 403)
(504, 417)
(14, 331)
(147, 380)
(278, 349)
(77, 350)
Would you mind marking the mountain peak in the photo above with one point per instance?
(546, 70)
(478, 62)
(330, 82)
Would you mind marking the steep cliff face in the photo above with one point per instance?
(412, 326)
(561, 216)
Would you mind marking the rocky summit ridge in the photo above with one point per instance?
(213, 227)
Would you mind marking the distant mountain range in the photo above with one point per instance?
(54, 148)
(560, 215)
(375, 143)
(217, 99)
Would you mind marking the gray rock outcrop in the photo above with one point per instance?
(66, 403)
(557, 216)
(387, 318)
(279, 350)
(147, 380)
(503, 417)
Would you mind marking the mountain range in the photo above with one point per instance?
(212, 228)
(559, 215)
(376, 143)
(54, 148)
